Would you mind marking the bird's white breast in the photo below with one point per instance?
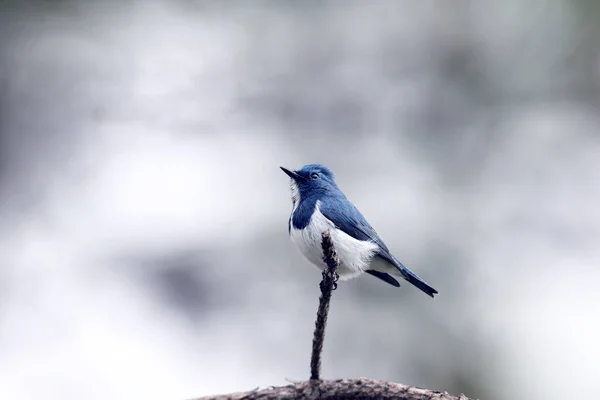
(354, 255)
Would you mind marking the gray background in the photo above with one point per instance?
(143, 220)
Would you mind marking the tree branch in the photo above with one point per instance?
(341, 389)
(348, 389)
(328, 285)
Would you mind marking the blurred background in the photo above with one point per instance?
(143, 214)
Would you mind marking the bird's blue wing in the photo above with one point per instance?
(349, 220)
(346, 217)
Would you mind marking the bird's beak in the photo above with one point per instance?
(292, 174)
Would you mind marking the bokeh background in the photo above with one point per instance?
(143, 219)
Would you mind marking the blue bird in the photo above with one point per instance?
(319, 205)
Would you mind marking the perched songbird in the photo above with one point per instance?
(319, 205)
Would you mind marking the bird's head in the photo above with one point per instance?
(312, 179)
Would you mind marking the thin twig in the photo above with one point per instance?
(347, 389)
(328, 285)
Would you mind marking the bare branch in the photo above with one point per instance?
(342, 389)
(348, 389)
(328, 284)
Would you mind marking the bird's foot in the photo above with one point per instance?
(333, 278)
(336, 277)
(322, 284)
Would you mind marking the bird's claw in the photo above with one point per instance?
(327, 276)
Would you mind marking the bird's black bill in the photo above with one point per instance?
(292, 174)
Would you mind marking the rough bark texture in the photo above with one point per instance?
(343, 389)
(328, 285)
(349, 389)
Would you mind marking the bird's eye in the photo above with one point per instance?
(314, 175)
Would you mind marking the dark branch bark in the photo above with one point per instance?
(349, 389)
(328, 285)
(342, 389)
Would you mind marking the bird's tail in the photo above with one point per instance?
(413, 278)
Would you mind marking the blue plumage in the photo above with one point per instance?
(319, 204)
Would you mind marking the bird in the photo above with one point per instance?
(319, 205)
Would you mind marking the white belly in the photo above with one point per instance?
(354, 255)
